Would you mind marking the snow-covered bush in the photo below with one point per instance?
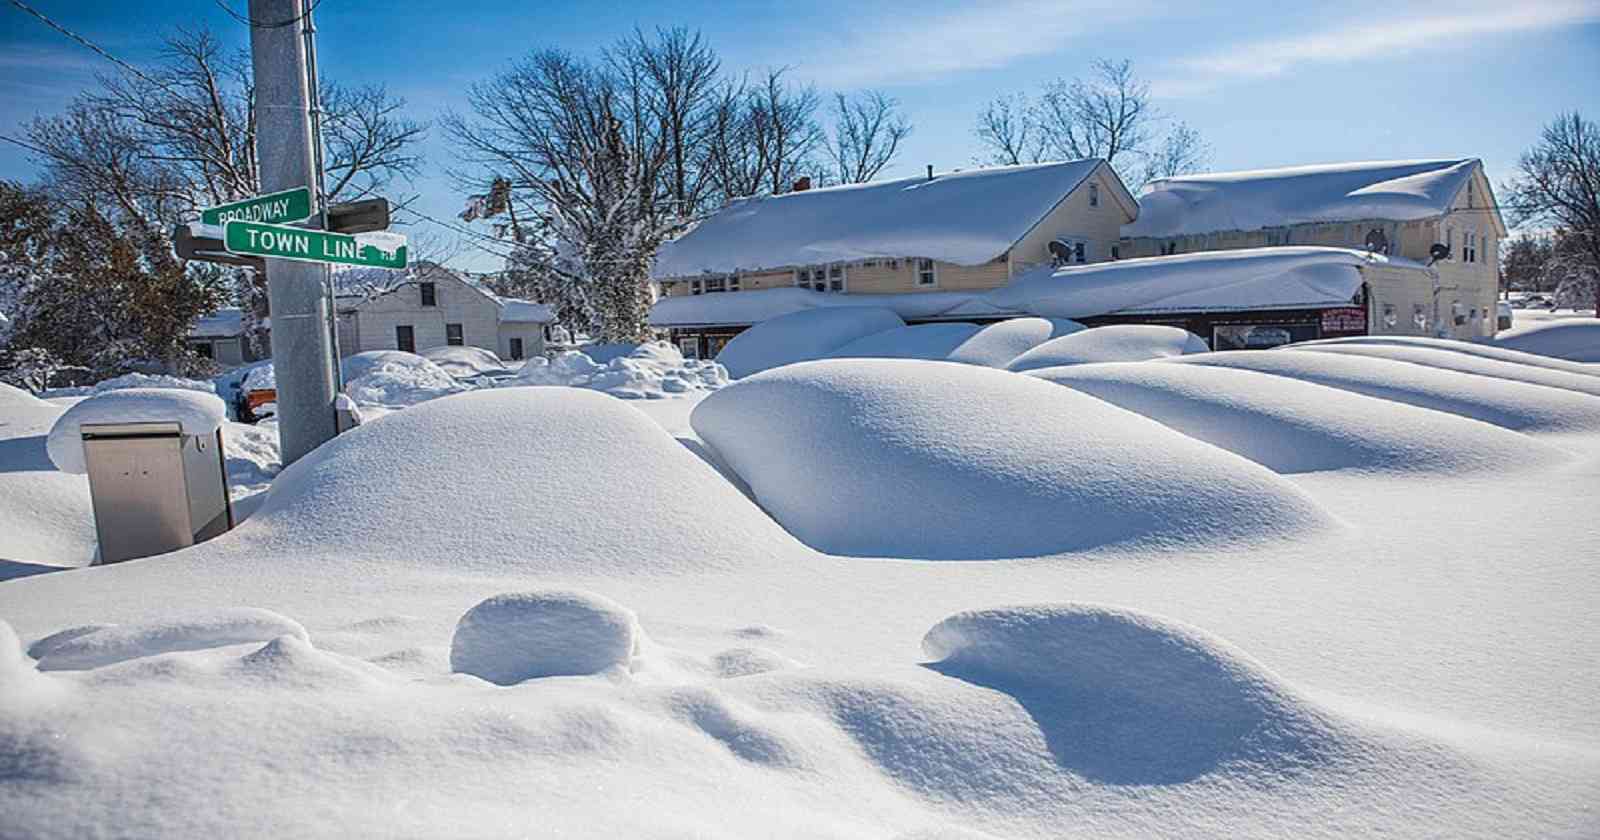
(650, 371)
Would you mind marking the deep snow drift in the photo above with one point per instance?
(464, 362)
(526, 635)
(991, 345)
(1113, 343)
(1575, 339)
(874, 458)
(197, 412)
(653, 370)
(802, 336)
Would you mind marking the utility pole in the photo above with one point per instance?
(302, 350)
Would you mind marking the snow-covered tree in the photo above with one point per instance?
(1558, 183)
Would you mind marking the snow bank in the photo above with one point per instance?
(1513, 405)
(580, 482)
(648, 371)
(902, 458)
(199, 413)
(355, 366)
(137, 380)
(765, 304)
(11, 397)
(1114, 343)
(398, 383)
(525, 635)
(1291, 426)
(1583, 383)
(967, 218)
(995, 345)
(934, 342)
(1336, 192)
(1575, 339)
(13, 667)
(1468, 348)
(1140, 698)
(464, 362)
(77, 649)
(802, 336)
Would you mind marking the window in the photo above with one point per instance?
(430, 294)
(405, 338)
(1079, 250)
(694, 287)
(1419, 316)
(1094, 195)
(927, 275)
(1450, 242)
(204, 350)
(836, 278)
(516, 348)
(689, 346)
(453, 335)
(733, 282)
(715, 284)
(1116, 252)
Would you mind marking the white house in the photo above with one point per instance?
(438, 307)
(220, 338)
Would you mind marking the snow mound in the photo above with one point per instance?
(1291, 426)
(464, 362)
(546, 633)
(1576, 340)
(137, 380)
(11, 397)
(802, 336)
(199, 413)
(1114, 343)
(648, 371)
(903, 458)
(1136, 698)
(12, 663)
(1514, 405)
(401, 383)
(1582, 383)
(580, 482)
(997, 344)
(748, 661)
(934, 342)
(1468, 348)
(77, 649)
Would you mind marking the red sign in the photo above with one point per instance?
(1352, 319)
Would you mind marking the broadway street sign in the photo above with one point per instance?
(379, 249)
(274, 208)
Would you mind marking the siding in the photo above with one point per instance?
(374, 321)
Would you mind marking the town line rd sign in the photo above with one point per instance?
(273, 208)
(375, 250)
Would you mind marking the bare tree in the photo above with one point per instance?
(781, 124)
(1008, 128)
(1558, 183)
(867, 131)
(679, 74)
(1182, 151)
(734, 164)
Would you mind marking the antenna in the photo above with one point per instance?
(1438, 251)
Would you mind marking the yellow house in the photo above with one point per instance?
(952, 232)
(1439, 213)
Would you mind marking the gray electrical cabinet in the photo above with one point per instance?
(155, 489)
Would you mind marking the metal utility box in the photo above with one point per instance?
(155, 489)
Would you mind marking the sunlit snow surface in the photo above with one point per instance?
(1374, 613)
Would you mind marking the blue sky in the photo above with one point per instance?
(1266, 83)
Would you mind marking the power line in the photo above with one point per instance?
(464, 230)
(96, 48)
(29, 146)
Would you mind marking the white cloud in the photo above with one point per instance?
(915, 46)
(1395, 33)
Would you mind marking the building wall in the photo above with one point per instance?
(1098, 226)
(458, 303)
(225, 351)
(532, 336)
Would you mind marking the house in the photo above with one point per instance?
(922, 237)
(220, 337)
(436, 307)
(1401, 209)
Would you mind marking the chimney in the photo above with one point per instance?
(801, 185)
(930, 172)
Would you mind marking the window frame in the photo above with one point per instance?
(405, 334)
(930, 268)
(514, 348)
(428, 294)
(455, 335)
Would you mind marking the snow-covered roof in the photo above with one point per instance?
(518, 311)
(224, 323)
(1402, 190)
(1259, 278)
(967, 218)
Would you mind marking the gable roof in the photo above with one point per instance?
(966, 218)
(1401, 190)
(350, 286)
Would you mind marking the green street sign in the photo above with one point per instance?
(273, 208)
(377, 250)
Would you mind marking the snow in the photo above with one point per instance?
(765, 304)
(198, 413)
(464, 362)
(991, 345)
(518, 311)
(1573, 339)
(13, 397)
(1471, 348)
(967, 218)
(654, 370)
(394, 378)
(1514, 405)
(1113, 343)
(83, 648)
(136, 380)
(1420, 662)
(997, 344)
(48, 521)
(1338, 192)
(1291, 426)
(872, 458)
(1434, 356)
(802, 336)
(520, 636)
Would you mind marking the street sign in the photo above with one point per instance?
(364, 216)
(379, 249)
(204, 243)
(273, 208)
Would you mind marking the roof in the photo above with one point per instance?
(1302, 277)
(518, 311)
(352, 284)
(224, 323)
(967, 218)
(1401, 190)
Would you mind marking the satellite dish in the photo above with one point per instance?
(1060, 250)
(1377, 243)
(1439, 251)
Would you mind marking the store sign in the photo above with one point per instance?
(1351, 319)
